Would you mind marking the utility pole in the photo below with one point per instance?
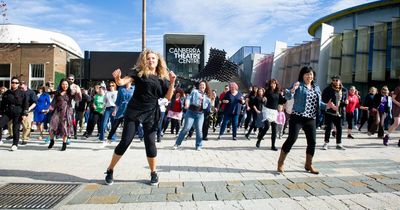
(143, 24)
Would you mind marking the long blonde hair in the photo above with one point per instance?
(144, 70)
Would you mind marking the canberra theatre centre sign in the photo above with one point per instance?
(186, 55)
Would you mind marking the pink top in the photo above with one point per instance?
(281, 118)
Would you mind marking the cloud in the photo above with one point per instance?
(232, 24)
(344, 4)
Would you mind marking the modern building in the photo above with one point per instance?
(247, 57)
(361, 44)
(185, 53)
(36, 55)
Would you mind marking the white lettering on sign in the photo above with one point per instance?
(186, 55)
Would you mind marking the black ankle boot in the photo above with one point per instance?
(51, 144)
(64, 146)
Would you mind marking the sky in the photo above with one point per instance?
(105, 25)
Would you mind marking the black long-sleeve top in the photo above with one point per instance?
(14, 103)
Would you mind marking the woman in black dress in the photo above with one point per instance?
(150, 77)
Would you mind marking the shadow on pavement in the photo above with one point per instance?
(210, 169)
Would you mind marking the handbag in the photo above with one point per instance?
(269, 114)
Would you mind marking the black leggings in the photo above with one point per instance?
(264, 130)
(129, 131)
(295, 124)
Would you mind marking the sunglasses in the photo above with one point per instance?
(71, 79)
(14, 82)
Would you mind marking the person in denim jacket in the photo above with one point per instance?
(195, 103)
(307, 102)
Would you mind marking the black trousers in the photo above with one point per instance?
(129, 131)
(117, 122)
(249, 116)
(253, 122)
(93, 120)
(264, 130)
(295, 124)
(333, 120)
(206, 124)
(16, 122)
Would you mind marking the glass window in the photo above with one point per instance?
(5, 75)
(36, 76)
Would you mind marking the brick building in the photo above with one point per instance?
(36, 55)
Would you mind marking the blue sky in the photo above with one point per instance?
(115, 25)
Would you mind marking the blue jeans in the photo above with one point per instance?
(227, 118)
(160, 125)
(106, 117)
(192, 117)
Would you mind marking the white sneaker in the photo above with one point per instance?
(175, 147)
(1, 142)
(5, 132)
(356, 127)
(14, 148)
(340, 147)
(104, 144)
(199, 148)
(325, 147)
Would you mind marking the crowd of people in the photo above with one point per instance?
(147, 103)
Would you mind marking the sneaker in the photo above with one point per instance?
(350, 136)
(356, 127)
(9, 138)
(199, 148)
(1, 142)
(228, 130)
(154, 179)
(325, 147)
(175, 147)
(247, 136)
(205, 139)
(14, 148)
(369, 133)
(258, 144)
(109, 180)
(340, 146)
(5, 131)
(234, 138)
(386, 140)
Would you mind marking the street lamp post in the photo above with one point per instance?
(143, 24)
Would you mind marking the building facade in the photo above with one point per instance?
(185, 53)
(37, 56)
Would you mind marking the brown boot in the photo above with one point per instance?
(308, 166)
(281, 160)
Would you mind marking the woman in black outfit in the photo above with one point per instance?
(274, 98)
(251, 113)
(14, 108)
(150, 81)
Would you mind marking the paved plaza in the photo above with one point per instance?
(226, 174)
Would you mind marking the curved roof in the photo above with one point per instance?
(373, 5)
(10, 33)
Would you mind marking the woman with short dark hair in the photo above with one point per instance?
(307, 101)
